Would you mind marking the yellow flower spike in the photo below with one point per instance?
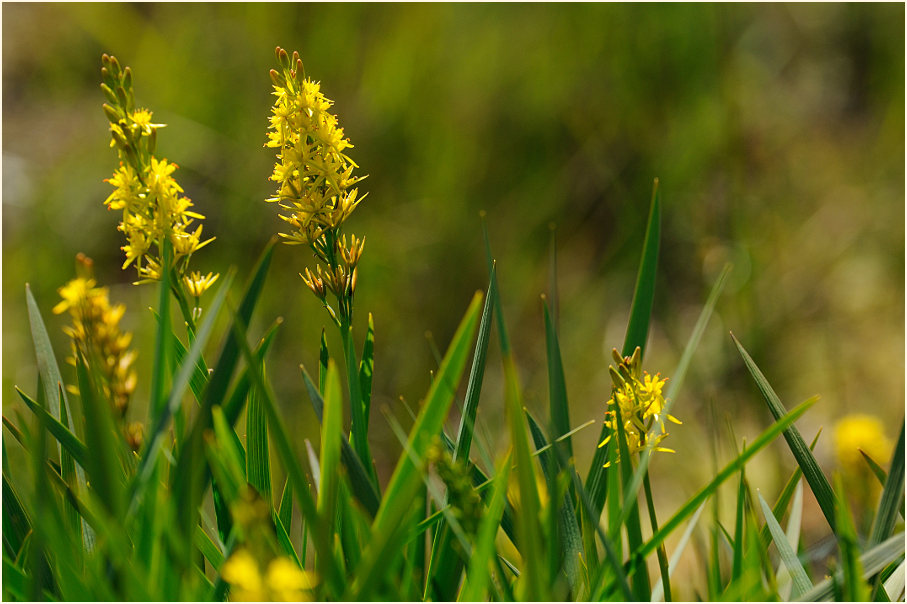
(640, 399)
(242, 573)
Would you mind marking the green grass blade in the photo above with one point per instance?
(784, 498)
(331, 435)
(258, 464)
(644, 293)
(805, 459)
(69, 441)
(873, 561)
(476, 375)
(498, 307)
(199, 376)
(367, 366)
(737, 562)
(358, 419)
(532, 582)
(658, 590)
(16, 526)
(280, 438)
(48, 369)
(892, 496)
(285, 510)
(483, 554)
(323, 358)
(157, 435)
(360, 483)
(877, 470)
(234, 405)
(206, 546)
(570, 537)
(729, 470)
(406, 479)
(800, 579)
(162, 340)
(557, 387)
(855, 587)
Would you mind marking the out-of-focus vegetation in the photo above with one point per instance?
(777, 133)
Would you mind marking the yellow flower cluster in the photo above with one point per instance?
(283, 581)
(154, 209)
(639, 398)
(96, 335)
(315, 176)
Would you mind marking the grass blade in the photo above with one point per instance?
(367, 366)
(658, 590)
(285, 510)
(358, 419)
(786, 494)
(162, 340)
(873, 561)
(258, 466)
(331, 435)
(729, 470)
(362, 486)
(644, 293)
(805, 459)
(69, 441)
(406, 479)
(557, 387)
(892, 496)
(800, 579)
(477, 574)
(47, 362)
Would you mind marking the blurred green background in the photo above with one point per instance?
(777, 132)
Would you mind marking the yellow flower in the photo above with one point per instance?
(639, 398)
(313, 172)
(282, 582)
(856, 432)
(96, 335)
(196, 285)
(151, 200)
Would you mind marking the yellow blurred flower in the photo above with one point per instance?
(96, 336)
(283, 581)
(860, 431)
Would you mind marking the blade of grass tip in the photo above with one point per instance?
(892, 496)
(476, 375)
(477, 574)
(48, 369)
(729, 470)
(632, 490)
(644, 293)
(405, 481)
(367, 366)
(281, 440)
(877, 470)
(801, 582)
(363, 488)
(330, 447)
(557, 386)
(658, 590)
(492, 273)
(805, 459)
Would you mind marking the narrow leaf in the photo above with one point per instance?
(801, 581)
(892, 495)
(805, 459)
(644, 293)
(557, 387)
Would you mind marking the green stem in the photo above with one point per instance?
(662, 555)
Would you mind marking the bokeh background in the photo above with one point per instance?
(777, 133)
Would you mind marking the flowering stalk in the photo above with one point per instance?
(315, 183)
(96, 337)
(154, 209)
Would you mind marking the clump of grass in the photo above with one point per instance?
(109, 512)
